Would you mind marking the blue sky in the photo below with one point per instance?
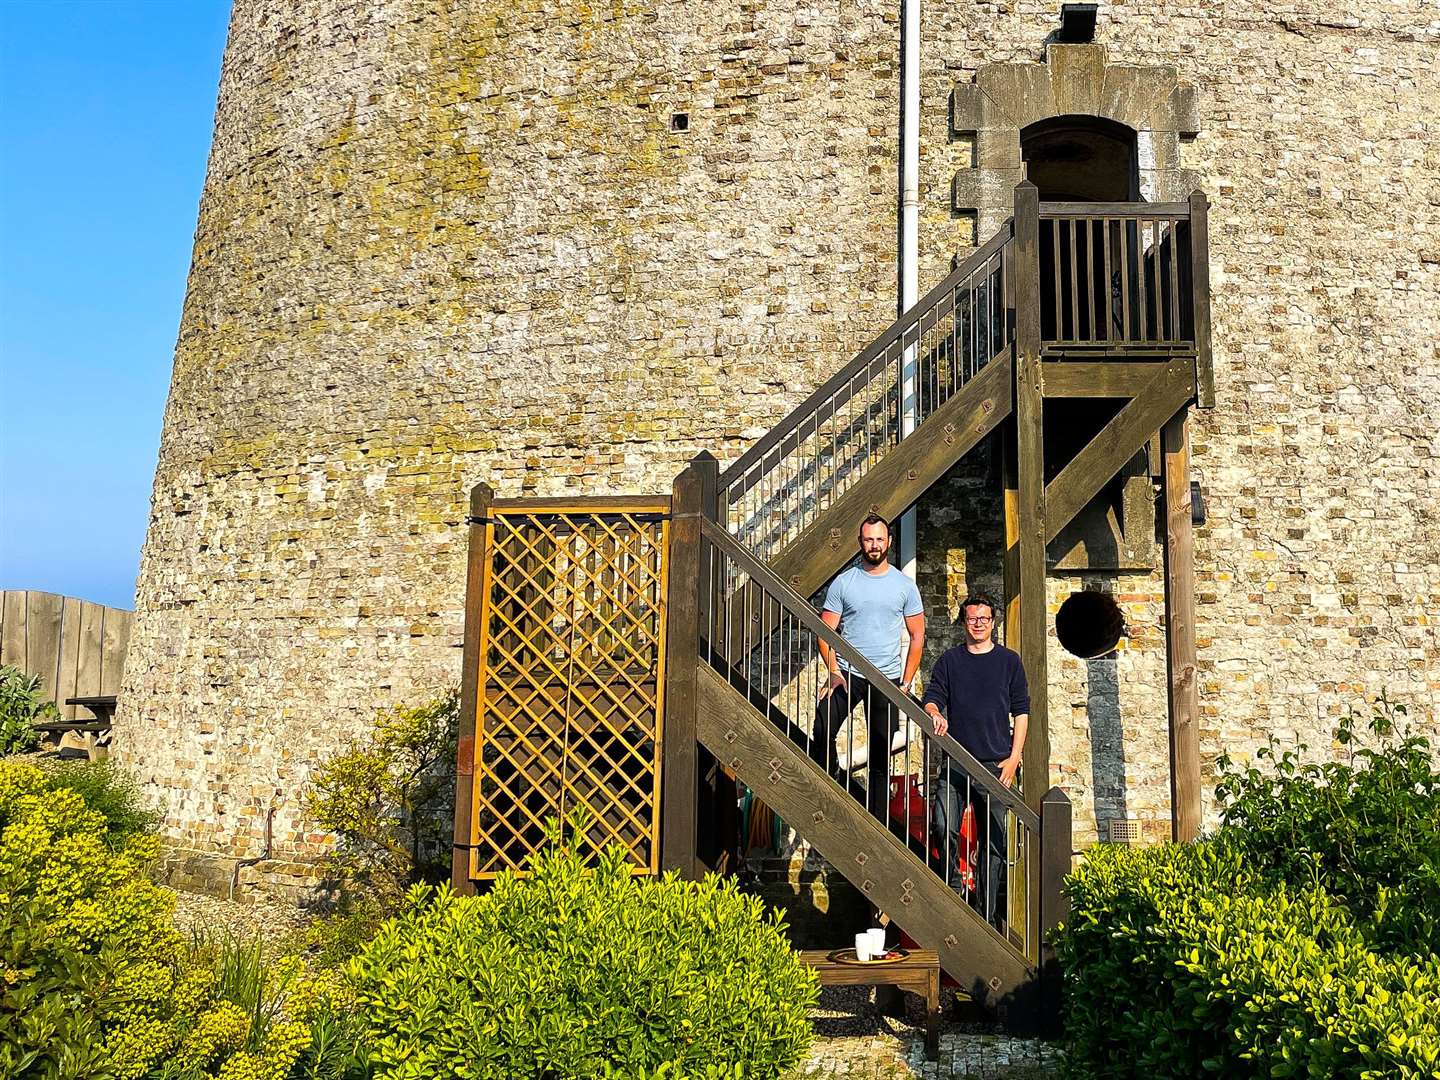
(105, 115)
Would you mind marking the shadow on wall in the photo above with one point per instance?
(1107, 739)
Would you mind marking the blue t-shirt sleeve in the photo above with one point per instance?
(913, 603)
(835, 596)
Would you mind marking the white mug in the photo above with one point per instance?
(877, 942)
(862, 946)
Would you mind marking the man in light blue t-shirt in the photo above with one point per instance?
(870, 605)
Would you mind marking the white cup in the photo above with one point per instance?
(877, 942)
(862, 946)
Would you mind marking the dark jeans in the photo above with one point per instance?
(881, 719)
(953, 793)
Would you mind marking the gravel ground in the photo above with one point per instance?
(275, 924)
(853, 1040)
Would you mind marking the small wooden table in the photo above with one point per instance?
(92, 735)
(919, 972)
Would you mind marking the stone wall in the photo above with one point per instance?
(442, 242)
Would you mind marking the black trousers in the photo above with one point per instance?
(881, 720)
(954, 792)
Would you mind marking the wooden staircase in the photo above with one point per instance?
(729, 680)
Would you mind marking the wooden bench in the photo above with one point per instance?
(919, 972)
(92, 735)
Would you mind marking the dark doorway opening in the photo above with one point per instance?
(1081, 159)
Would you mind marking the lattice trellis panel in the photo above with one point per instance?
(572, 670)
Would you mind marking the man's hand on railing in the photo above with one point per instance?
(1008, 769)
(941, 724)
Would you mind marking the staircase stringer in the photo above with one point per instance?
(876, 861)
(898, 480)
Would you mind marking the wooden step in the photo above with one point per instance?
(860, 847)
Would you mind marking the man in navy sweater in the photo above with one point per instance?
(978, 695)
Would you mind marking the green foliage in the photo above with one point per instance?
(1367, 828)
(22, 705)
(108, 792)
(1299, 941)
(390, 801)
(580, 971)
(333, 939)
(1180, 962)
(96, 982)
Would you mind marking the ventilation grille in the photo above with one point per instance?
(1124, 832)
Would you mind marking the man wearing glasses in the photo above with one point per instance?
(978, 695)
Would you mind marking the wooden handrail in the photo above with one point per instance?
(912, 320)
(799, 608)
(1115, 209)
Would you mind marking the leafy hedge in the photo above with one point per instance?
(1299, 941)
(583, 971)
(1177, 966)
(1366, 827)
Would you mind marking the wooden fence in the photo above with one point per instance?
(76, 647)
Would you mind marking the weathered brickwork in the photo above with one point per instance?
(443, 242)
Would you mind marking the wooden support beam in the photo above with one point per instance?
(1031, 510)
(898, 479)
(1200, 298)
(1057, 850)
(477, 586)
(1116, 443)
(1010, 500)
(1097, 380)
(1180, 633)
(679, 770)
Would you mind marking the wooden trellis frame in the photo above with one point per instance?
(563, 702)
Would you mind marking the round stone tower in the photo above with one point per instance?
(562, 247)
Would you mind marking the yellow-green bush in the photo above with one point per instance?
(94, 979)
(581, 972)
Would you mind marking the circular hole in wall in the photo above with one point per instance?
(1089, 624)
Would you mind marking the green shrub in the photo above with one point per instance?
(390, 801)
(22, 705)
(108, 792)
(580, 971)
(1182, 962)
(95, 980)
(1367, 827)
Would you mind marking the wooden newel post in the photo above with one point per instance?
(1030, 486)
(679, 801)
(1184, 691)
(477, 571)
(1056, 849)
(1200, 298)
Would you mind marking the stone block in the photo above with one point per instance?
(972, 110)
(1178, 111)
(1158, 150)
(1077, 76)
(1130, 94)
(979, 188)
(998, 149)
(1022, 92)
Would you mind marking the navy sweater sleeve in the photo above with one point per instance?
(938, 689)
(1019, 690)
